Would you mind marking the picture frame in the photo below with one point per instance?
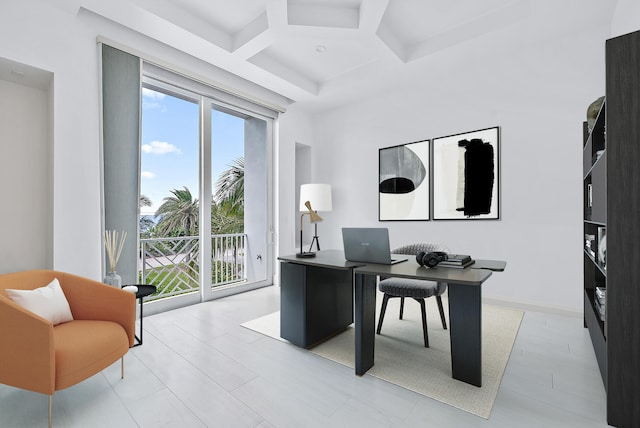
(465, 176)
(404, 182)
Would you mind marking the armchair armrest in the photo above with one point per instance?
(93, 300)
(27, 359)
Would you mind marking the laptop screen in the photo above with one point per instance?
(367, 244)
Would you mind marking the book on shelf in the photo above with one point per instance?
(590, 244)
(600, 301)
(601, 310)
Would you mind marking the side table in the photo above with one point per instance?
(144, 290)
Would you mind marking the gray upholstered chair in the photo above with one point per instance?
(413, 288)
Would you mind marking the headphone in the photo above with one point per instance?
(431, 259)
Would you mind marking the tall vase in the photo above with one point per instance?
(113, 279)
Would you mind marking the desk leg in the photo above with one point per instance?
(465, 325)
(365, 321)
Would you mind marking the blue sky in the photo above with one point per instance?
(169, 158)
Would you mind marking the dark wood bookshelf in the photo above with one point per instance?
(612, 201)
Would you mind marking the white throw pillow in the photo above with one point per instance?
(49, 302)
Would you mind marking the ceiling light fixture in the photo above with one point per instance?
(321, 48)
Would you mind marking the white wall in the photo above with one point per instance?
(26, 215)
(626, 18)
(54, 36)
(538, 95)
(296, 126)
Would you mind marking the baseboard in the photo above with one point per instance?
(533, 307)
(175, 302)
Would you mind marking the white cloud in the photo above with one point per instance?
(148, 174)
(160, 148)
(152, 100)
(149, 106)
(148, 93)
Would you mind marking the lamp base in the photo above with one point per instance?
(306, 255)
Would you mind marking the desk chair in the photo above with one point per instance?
(413, 288)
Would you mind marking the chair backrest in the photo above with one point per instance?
(413, 249)
(26, 280)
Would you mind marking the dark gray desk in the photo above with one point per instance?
(316, 297)
(465, 309)
(465, 313)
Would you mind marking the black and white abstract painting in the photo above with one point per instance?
(466, 175)
(403, 184)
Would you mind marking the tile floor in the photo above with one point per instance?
(199, 368)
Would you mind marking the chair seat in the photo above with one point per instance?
(406, 287)
(417, 289)
(85, 347)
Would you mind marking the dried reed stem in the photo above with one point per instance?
(113, 243)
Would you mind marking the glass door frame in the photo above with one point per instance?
(209, 292)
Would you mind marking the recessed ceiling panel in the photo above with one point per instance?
(228, 16)
(328, 13)
(318, 59)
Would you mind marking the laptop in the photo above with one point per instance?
(369, 245)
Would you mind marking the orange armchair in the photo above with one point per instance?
(40, 357)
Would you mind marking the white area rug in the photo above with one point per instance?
(402, 359)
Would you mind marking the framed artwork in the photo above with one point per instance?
(466, 176)
(403, 186)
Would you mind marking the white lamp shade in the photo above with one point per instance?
(319, 195)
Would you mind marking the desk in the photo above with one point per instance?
(465, 313)
(465, 308)
(316, 297)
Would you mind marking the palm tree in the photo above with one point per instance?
(146, 224)
(179, 214)
(145, 201)
(230, 188)
(227, 207)
(224, 220)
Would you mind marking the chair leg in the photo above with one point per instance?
(424, 322)
(401, 307)
(385, 299)
(122, 368)
(50, 405)
(444, 321)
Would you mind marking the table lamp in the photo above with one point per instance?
(317, 196)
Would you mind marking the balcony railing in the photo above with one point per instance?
(173, 264)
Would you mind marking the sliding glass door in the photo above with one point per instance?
(169, 191)
(204, 192)
(240, 233)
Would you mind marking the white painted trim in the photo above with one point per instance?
(532, 307)
(176, 302)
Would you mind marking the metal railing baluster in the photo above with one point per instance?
(172, 264)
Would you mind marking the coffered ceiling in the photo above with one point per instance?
(324, 52)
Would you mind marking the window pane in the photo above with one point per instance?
(169, 192)
(227, 206)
